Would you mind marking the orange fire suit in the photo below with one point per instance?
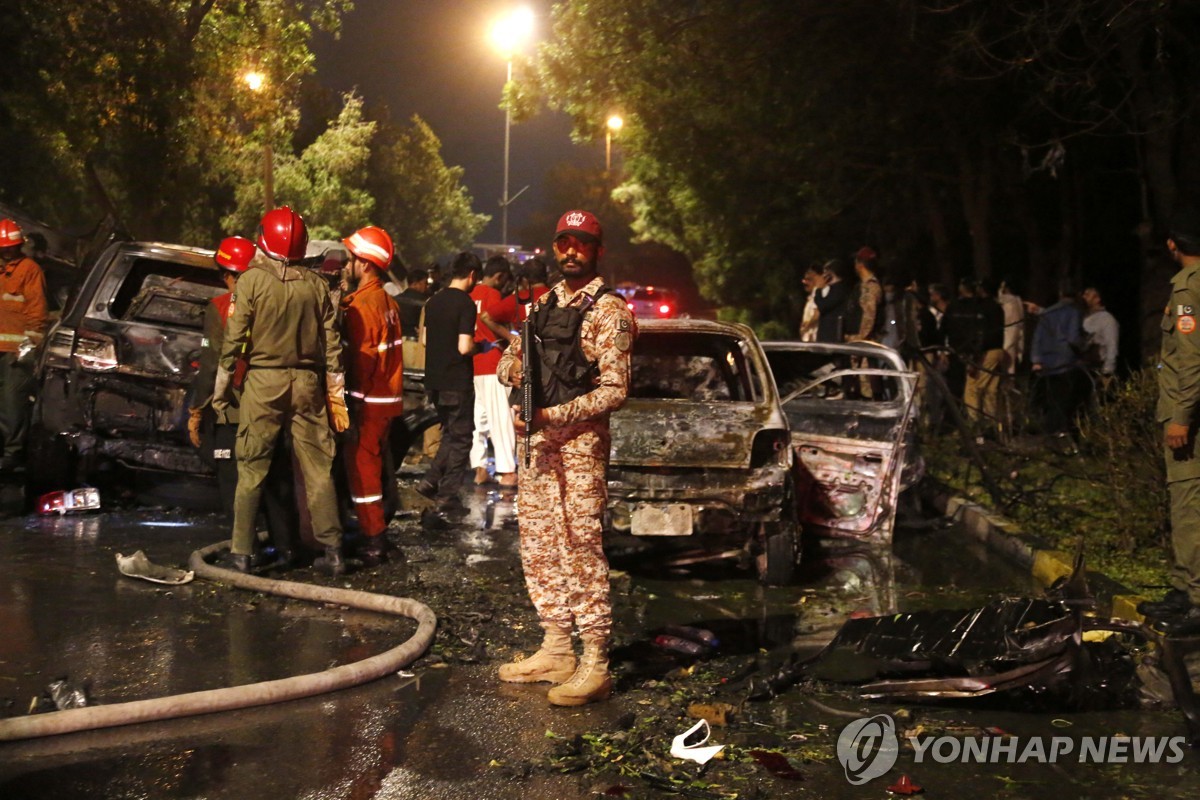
(374, 387)
(22, 316)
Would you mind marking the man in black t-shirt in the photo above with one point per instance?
(449, 339)
(412, 300)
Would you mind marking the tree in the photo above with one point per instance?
(135, 107)
(326, 183)
(421, 201)
(961, 137)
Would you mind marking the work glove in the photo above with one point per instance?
(335, 401)
(194, 415)
(221, 393)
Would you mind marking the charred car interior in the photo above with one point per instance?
(700, 450)
(851, 410)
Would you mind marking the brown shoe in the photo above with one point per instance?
(553, 662)
(482, 476)
(591, 682)
(508, 480)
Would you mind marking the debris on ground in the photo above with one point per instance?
(139, 565)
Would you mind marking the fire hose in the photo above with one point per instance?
(253, 694)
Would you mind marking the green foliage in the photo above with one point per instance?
(1111, 491)
(137, 108)
(422, 202)
(1123, 441)
(326, 183)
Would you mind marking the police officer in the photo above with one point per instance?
(1178, 402)
(374, 379)
(233, 257)
(283, 325)
(588, 331)
(22, 324)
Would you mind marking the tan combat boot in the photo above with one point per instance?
(591, 681)
(553, 662)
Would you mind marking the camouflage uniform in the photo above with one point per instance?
(1178, 399)
(562, 494)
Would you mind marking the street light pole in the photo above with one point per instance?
(507, 138)
(613, 125)
(257, 82)
(508, 34)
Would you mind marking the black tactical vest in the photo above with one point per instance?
(563, 370)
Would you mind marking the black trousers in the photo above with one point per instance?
(456, 412)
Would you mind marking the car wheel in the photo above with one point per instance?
(775, 561)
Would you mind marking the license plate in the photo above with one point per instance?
(672, 519)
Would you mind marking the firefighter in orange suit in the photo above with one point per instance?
(374, 379)
(22, 325)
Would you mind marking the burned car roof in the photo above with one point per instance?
(699, 392)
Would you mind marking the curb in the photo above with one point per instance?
(1004, 536)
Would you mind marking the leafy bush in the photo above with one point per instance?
(1123, 441)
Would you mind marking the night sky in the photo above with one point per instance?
(435, 59)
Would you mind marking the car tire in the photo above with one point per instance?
(776, 559)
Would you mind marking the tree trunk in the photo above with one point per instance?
(975, 187)
(943, 258)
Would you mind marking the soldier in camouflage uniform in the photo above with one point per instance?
(1178, 404)
(562, 493)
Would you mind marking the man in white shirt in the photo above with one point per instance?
(1103, 331)
(1014, 325)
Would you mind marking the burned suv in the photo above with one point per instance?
(114, 375)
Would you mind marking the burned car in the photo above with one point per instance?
(851, 410)
(700, 449)
(114, 377)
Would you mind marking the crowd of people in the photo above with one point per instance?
(975, 338)
(298, 362)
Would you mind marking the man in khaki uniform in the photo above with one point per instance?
(562, 494)
(283, 325)
(1178, 402)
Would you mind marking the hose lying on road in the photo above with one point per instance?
(253, 694)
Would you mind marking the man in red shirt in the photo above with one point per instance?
(493, 420)
(374, 379)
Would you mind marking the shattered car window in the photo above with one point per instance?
(163, 292)
(702, 368)
(812, 375)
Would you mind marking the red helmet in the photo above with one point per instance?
(282, 235)
(371, 244)
(234, 254)
(10, 234)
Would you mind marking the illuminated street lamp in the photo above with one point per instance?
(612, 127)
(508, 34)
(257, 82)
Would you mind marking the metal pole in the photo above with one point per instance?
(504, 198)
(268, 176)
(607, 150)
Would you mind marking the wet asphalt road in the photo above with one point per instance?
(450, 730)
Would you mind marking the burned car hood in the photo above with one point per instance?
(682, 433)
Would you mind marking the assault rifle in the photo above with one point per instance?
(528, 376)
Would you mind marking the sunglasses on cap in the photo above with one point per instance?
(566, 241)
